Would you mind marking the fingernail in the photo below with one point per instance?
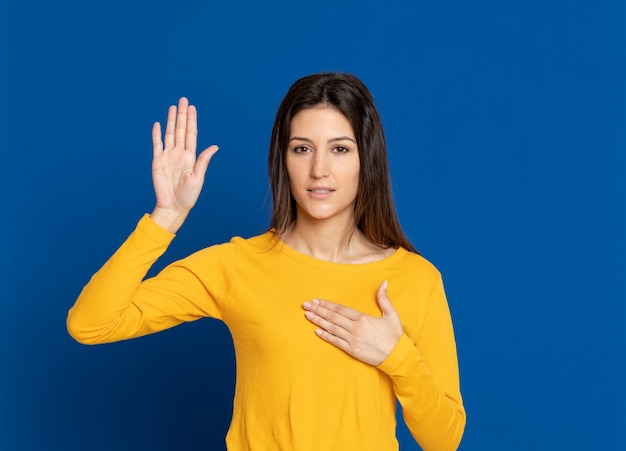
(316, 301)
(309, 315)
(385, 284)
(306, 305)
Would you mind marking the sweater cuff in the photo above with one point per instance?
(146, 226)
(398, 356)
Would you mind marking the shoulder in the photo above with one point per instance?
(262, 242)
(238, 245)
(416, 262)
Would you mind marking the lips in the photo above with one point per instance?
(321, 192)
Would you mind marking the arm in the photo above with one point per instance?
(115, 304)
(423, 367)
(424, 370)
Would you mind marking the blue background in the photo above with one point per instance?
(506, 128)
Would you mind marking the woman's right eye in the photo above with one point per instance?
(301, 149)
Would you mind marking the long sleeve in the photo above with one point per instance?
(118, 304)
(290, 384)
(424, 371)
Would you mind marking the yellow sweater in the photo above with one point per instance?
(293, 391)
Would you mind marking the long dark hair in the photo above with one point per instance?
(374, 212)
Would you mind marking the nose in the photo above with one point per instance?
(320, 165)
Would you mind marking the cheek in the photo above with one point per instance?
(297, 177)
(291, 170)
(356, 173)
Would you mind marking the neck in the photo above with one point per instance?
(333, 241)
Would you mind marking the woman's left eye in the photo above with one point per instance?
(341, 149)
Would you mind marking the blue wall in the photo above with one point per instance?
(506, 124)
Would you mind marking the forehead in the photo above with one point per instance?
(321, 120)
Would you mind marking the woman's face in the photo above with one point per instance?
(323, 164)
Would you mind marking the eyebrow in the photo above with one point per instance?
(339, 138)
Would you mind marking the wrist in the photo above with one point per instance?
(170, 220)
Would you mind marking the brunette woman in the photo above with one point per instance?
(333, 313)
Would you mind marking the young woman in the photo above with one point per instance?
(333, 314)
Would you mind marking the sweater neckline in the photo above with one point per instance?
(323, 264)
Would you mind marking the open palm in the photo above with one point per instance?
(177, 174)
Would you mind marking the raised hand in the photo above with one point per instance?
(364, 337)
(177, 175)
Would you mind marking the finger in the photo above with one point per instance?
(157, 144)
(325, 317)
(169, 129)
(331, 327)
(383, 300)
(203, 161)
(191, 136)
(181, 122)
(319, 305)
(333, 339)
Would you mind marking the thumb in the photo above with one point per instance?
(383, 300)
(202, 163)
